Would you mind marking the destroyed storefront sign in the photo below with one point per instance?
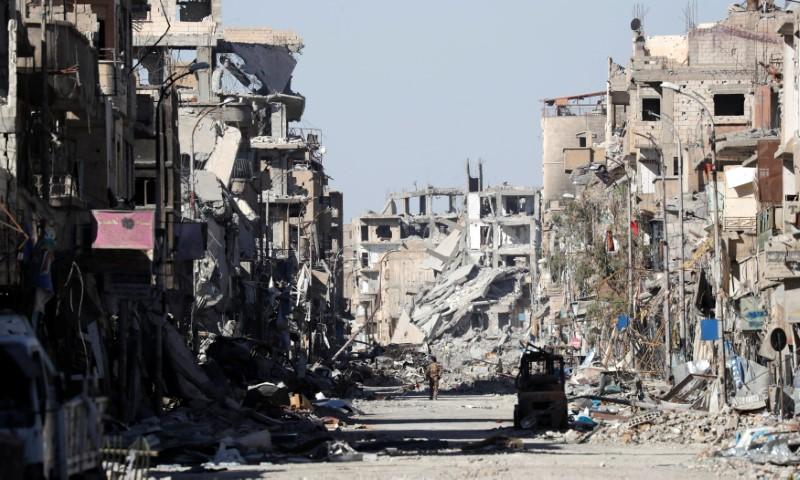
(124, 230)
(709, 330)
(781, 264)
(752, 315)
(747, 403)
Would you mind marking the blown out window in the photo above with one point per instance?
(729, 104)
(651, 108)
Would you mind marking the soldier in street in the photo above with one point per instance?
(433, 373)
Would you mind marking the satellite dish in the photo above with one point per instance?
(636, 24)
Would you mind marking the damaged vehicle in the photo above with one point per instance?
(541, 398)
(56, 438)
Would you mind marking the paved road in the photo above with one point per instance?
(463, 420)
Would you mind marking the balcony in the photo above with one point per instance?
(71, 66)
(112, 78)
(63, 190)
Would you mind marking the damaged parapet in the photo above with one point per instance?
(415, 277)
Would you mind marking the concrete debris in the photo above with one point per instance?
(176, 259)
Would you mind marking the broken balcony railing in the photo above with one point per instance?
(60, 187)
(312, 136)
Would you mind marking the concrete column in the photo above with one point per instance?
(496, 244)
(278, 120)
(494, 321)
(204, 54)
(451, 200)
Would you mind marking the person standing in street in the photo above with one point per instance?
(433, 373)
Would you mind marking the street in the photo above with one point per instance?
(462, 420)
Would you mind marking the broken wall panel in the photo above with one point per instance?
(770, 173)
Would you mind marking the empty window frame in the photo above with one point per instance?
(383, 232)
(729, 104)
(651, 109)
(145, 191)
(364, 233)
(193, 10)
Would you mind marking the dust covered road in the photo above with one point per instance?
(461, 421)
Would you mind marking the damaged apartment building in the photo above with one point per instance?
(685, 201)
(157, 196)
(258, 222)
(69, 226)
(443, 260)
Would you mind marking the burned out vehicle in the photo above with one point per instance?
(541, 400)
(56, 437)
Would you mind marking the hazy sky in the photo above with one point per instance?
(406, 91)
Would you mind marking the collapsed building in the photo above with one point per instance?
(157, 197)
(416, 277)
(393, 254)
(678, 225)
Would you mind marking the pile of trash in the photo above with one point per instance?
(775, 443)
(763, 452)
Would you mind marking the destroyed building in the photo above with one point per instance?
(253, 183)
(691, 191)
(395, 253)
(417, 276)
(157, 197)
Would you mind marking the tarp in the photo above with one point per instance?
(253, 68)
(709, 330)
(124, 230)
(192, 237)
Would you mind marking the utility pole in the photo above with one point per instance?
(681, 272)
(631, 300)
(681, 269)
(665, 262)
(665, 267)
(719, 306)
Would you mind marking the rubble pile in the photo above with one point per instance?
(629, 426)
(448, 305)
(394, 370)
(479, 361)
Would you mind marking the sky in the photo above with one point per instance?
(406, 91)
